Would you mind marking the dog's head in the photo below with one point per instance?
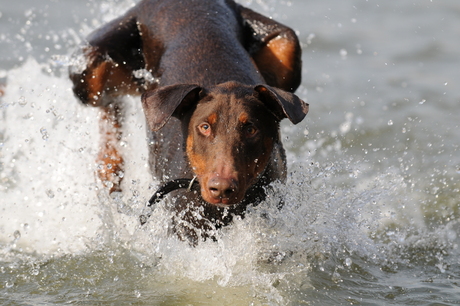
(230, 130)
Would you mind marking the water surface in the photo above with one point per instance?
(372, 198)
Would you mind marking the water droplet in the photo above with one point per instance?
(9, 284)
(16, 235)
(44, 133)
(343, 54)
(441, 267)
(345, 127)
(390, 122)
(34, 271)
(336, 278)
(50, 193)
(348, 262)
(28, 116)
(22, 101)
(310, 38)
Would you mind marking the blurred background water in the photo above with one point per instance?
(372, 199)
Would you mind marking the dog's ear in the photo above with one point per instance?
(282, 103)
(162, 103)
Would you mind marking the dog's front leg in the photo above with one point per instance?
(109, 160)
(103, 72)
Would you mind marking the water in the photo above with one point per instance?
(372, 199)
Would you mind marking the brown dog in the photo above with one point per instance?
(216, 80)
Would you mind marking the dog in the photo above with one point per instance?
(215, 80)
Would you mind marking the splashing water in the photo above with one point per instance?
(57, 217)
(353, 230)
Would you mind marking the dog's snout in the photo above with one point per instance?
(223, 190)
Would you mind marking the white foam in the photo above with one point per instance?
(47, 178)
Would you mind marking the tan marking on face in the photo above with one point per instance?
(212, 119)
(243, 118)
(197, 161)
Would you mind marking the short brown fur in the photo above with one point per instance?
(221, 79)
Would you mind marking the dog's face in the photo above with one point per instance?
(230, 137)
(229, 129)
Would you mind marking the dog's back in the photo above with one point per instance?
(202, 42)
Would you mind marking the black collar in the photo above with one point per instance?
(190, 184)
(254, 196)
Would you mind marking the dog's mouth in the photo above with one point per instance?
(220, 201)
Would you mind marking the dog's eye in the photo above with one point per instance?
(250, 130)
(205, 129)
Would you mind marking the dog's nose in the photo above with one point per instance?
(222, 189)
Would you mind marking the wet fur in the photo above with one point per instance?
(212, 62)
